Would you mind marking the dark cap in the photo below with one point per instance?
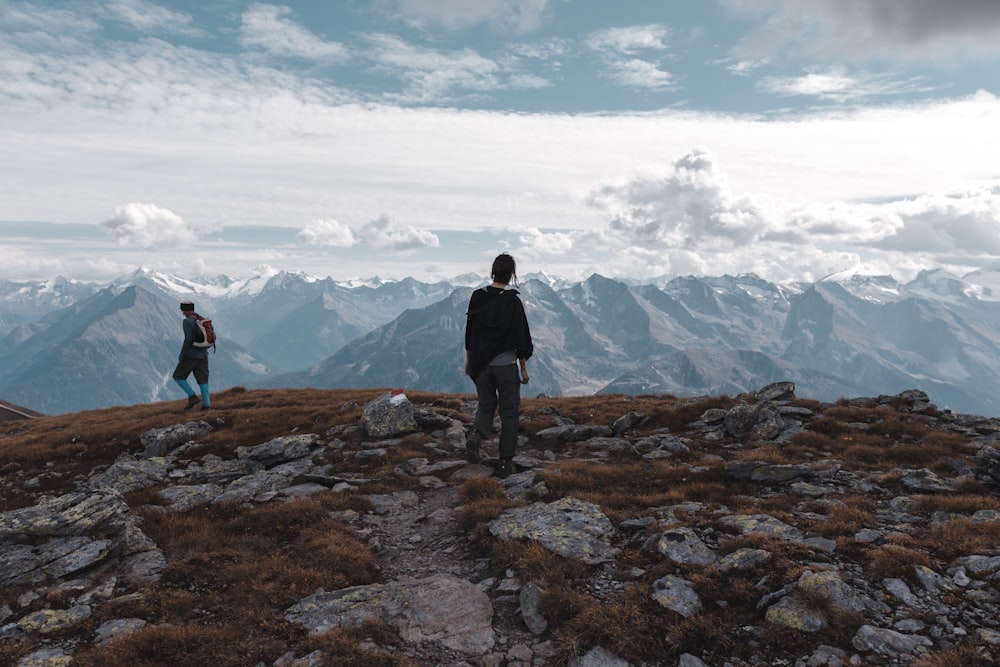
(187, 305)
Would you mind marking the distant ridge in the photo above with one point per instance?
(11, 412)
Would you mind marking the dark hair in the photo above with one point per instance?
(504, 269)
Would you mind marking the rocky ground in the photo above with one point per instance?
(804, 576)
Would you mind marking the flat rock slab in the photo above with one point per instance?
(439, 608)
(568, 527)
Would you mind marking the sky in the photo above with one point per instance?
(392, 138)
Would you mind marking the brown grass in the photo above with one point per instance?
(239, 568)
(81, 441)
(960, 504)
(627, 485)
(965, 655)
(894, 561)
(702, 635)
(484, 500)
(961, 537)
(856, 513)
(533, 562)
(614, 623)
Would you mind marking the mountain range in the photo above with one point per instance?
(67, 345)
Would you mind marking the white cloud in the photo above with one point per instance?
(836, 84)
(326, 233)
(857, 31)
(746, 67)
(269, 28)
(149, 226)
(539, 243)
(967, 223)
(687, 207)
(383, 234)
(518, 15)
(637, 73)
(630, 40)
(436, 76)
(149, 18)
(618, 45)
(688, 220)
(432, 74)
(45, 28)
(549, 49)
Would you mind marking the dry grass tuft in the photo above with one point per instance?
(583, 622)
(957, 504)
(473, 518)
(895, 561)
(960, 537)
(480, 488)
(533, 562)
(175, 646)
(856, 513)
(829, 426)
(343, 647)
(626, 485)
(812, 441)
(960, 656)
(701, 635)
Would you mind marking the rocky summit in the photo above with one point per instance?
(303, 528)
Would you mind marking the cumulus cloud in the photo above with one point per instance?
(689, 220)
(540, 243)
(689, 205)
(326, 233)
(518, 15)
(149, 226)
(270, 28)
(965, 222)
(383, 234)
(859, 30)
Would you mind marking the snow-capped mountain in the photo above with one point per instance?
(843, 335)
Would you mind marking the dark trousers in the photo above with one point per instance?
(499, 386)
(188, 365)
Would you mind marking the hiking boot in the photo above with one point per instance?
(472, 443)
(505, 468)
(192, 401)
(206, 407)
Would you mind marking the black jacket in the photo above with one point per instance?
(495, 323)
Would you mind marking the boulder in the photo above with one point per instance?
(388, 416)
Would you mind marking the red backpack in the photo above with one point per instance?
(205, 331)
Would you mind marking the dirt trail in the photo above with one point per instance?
(416, 535)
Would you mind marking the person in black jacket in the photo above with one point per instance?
(497, 346)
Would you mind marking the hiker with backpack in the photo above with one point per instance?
(194, 356)
(497, 342)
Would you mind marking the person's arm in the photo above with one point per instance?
(524, 370)
(189, 326)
